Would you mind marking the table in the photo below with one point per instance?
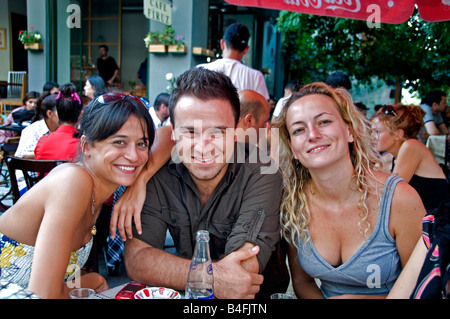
(10, 290)
(110, 293)
(436, 144)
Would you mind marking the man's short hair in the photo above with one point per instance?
(162, 98)
(339, 79)
(434, 97)
(236, 36)
(205, 85)
(104, 46)
(293, 85)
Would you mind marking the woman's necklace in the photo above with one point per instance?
(94, 229)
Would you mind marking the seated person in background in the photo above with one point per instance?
(290, 87)
(95, 86)
(51, 87)
(204, 187)
(61, 210)
(434, 103)
(45, 120)
(348, 225)
(160, 110)
(396, 128)
(30, 102)
(254, 112)
(339, 79)
(61, 144)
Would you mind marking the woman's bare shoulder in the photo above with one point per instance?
(71, 175)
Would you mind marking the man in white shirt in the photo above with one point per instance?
(234, 46)
(291, 87)
(160, 110)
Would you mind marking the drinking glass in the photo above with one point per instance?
(81, 293)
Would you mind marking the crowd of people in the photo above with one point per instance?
(349, 224)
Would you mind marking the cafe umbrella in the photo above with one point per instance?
(384, 11)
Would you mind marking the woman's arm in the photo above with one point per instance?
(304, 286)
(130, 204)
(58, 231)
(405, 223)
(407, 280)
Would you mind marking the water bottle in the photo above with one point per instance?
(200, 281)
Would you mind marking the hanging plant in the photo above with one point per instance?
(29, 37)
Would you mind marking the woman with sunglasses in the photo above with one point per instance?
(395, 128)
(47, 235)
(348, 225)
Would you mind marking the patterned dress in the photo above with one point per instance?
(16, 260)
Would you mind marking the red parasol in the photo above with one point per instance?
(385, 11)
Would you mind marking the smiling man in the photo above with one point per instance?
(205, 186)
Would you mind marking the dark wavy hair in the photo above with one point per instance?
(45, 103)
(102, 120)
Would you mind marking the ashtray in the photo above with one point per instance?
(157, 293)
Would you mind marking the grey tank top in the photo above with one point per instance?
(372, 270)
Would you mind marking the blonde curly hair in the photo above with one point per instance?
(294, 211)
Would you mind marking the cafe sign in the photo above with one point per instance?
(158, 10)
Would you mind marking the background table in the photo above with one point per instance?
(436, 144)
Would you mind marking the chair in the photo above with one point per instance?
(27, 167)
(15, 91)
(9, 147)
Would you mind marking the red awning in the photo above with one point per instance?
(388, 11)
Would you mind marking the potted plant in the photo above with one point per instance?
(162, 42)
(179, 46)
(31, 39)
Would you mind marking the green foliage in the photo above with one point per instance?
(167, 37)
(29, 37)
(416, 51)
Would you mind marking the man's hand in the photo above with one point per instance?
(234, 281)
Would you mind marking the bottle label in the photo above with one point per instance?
(210, 270)
(209, 295)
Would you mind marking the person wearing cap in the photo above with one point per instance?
(234, 46)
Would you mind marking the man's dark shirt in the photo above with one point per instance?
(244, 207)
(106, 68)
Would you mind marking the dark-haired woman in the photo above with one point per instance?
(95, 86)
(61, 210)
(29, 104)
(61, 144)
(44, 121)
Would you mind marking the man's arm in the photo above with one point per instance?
(432, 129)
(442, 129)
(154, 266)
(111, 80)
